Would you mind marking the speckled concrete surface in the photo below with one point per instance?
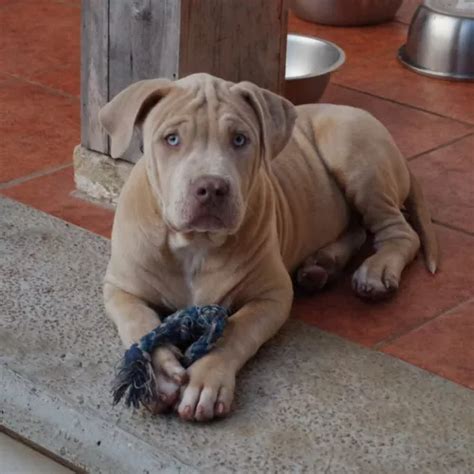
(309, 402)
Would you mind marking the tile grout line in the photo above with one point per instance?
(414, 107)
(50, 89)
(438, 147)
(36, 174)
(389, 340)
(452, 227)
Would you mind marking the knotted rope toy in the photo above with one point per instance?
(194, 331)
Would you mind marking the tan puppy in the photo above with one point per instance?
(236, 189)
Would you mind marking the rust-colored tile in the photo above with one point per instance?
(407, 10)
(65, 79)
(414, 131)
(372, 66)
(421, 296)
(444, 346)
(450, 99)
(52, 194)
(38, 36)
(447, 177)
(39, 129)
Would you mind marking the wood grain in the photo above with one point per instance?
(94, 72)
(235, 39)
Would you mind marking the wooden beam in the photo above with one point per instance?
(235, 39)
(94, 72)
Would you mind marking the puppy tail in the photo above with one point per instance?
(420, 219)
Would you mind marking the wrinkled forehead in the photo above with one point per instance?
(208, 100)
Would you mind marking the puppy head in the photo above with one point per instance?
(205, 141)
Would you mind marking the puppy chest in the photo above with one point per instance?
(186, 285)
(192, 261)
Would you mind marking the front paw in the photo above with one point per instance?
(210, 390)
(169, 376)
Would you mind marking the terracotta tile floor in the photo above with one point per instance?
(431, 321)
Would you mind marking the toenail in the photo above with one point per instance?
(220, 408)
(163, 397)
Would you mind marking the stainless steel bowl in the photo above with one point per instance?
(440, 40)
(309, 64)
(346, 12)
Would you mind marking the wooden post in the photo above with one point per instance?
(125, 41)
(94, 72)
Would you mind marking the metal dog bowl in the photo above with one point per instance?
(346, 12)
(440, 40)
(309, 64)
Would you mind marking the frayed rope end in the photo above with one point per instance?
(196, 328)
(135, 379)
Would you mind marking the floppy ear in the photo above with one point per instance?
(130, 108)
(275, 114)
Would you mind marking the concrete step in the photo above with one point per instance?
(18, 458)
(309, 401)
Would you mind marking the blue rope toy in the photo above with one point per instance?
(193, 330)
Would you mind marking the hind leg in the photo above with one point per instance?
(327, 263)
(368, 167)
(396, 244)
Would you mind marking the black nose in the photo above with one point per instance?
(207, 189)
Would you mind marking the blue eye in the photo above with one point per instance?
(172, 139)
(239, 140)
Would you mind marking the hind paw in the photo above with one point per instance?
(316, 272)
(375, 282)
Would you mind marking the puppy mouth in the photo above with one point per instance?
(222, 219)
(206, 223)
(202, 222)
